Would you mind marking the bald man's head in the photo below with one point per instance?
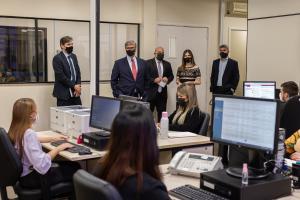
(159, 53)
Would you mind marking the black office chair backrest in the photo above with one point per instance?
(11, 166)
(290, 119)
(90, 187)
(204, 127)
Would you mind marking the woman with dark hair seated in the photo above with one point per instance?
(131, 164)
(187, 116)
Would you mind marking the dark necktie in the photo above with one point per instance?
(72, 69)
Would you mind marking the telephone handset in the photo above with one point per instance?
(192, 164)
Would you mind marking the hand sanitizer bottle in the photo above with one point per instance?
(245, 174)
(164, 126)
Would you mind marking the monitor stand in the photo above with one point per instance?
(252, 172)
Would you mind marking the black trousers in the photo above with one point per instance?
(62, 173)
(70, 102)
(222, 90)
(160, 103)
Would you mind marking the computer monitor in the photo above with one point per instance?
(260, 89)
(245, 122)
(103, 112)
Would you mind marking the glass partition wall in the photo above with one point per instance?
(27, 46)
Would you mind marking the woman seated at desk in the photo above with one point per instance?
(27, 144)
(187, 116)
(131, 164)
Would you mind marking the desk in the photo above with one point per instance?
(173, 181)
(163, 144)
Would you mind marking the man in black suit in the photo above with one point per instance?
(129, 74)
(67, 86)
(225, 74)
(224, 79)
(161, 74)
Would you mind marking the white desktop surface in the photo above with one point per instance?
(173, 181)
(162, 144)
(68, 155)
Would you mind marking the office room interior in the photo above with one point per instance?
(262, 35)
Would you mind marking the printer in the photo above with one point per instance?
(77, 122)
(58, 120)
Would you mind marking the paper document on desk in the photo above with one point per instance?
(177, 134)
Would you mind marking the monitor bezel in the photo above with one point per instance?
(101, 97)
(253, 147)
(244, 82)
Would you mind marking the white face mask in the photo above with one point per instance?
(35, 118)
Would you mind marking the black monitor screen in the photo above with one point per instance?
(260, 89)
(246, 122)
(103, 112)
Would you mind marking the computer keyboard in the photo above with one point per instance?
(81, 150)
(189, 192)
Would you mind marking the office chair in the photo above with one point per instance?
(290, 119)
(90, 187)
(204, 127)
(11, 169)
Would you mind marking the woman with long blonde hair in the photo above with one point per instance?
(28, 146)
(187, 115)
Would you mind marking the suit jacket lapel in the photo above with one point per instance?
(128, 69)
(155, 67)
(226, 68)
(217, 70)
(139, 67)
(65, 62)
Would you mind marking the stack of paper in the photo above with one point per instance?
(176, 134)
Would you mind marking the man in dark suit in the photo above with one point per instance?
(225, 74)
(224, 79)
(67, 86)
(161, 74)
(129, 74)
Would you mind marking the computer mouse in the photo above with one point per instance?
(84, 152)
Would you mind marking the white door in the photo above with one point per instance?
(175, 39)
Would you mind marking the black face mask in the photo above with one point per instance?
(69, 50)
(181, 102)
(187, 60)
(130, 52)
(160, 56)
(223, 54)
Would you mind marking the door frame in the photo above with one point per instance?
(232, 28)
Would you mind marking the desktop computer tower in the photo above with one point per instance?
(58, 120)
(271, 187)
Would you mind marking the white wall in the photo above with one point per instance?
(200, 13)
(273, 43)
(232, 23)
(266, 8)
(177, 12)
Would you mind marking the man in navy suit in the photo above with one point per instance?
(67, 86)
(225, 74)
(129, 74)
